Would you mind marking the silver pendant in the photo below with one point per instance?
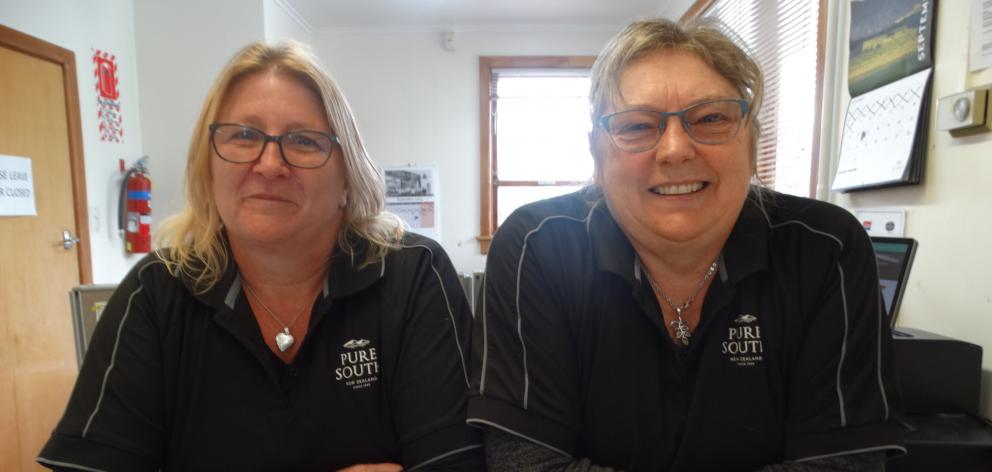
(681, 328)
(284, 340)
(682, 331)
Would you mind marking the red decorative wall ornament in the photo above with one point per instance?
(107, 97)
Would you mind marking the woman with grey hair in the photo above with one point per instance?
(672, 315)
(288, 323)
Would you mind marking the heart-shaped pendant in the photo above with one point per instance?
(284, 340)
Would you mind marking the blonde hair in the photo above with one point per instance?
(707, 38)
(193, 240)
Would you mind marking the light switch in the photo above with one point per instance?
(883, 222)
(94, 219)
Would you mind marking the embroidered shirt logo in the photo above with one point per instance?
(743, 345)
(356, 343)
(359, 364)
(745, 318)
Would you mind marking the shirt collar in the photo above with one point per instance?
(345, 271)
(225, 291)
(744, 253)
(746, 250)
(612, 251)
(347, 275)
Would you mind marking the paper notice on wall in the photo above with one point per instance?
(16, 187)
(981, 35)
(412, 194)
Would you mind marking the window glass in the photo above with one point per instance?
(542, 128)
(783, 37)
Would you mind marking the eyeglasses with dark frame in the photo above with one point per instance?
(242, 144)
(709, 122)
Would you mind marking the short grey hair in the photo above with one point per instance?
(707, 38)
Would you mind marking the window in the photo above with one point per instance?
(534, 116)
(786, 38)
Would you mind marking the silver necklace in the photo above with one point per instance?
(284, 339)
(681, 327)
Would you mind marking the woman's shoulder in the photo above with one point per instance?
(412, 240)
(150, 278)
(161, 272)
(152, 265)
(811, 218)
(413, 247)
(571, 206)
(553, 219)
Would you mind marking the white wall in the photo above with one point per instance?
(284, 22)
(950, 291)
(418, 104)
(182, 45)
(83, 27)
(415, 102)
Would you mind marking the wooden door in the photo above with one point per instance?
(39, 119)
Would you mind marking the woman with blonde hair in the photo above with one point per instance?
(288, 322)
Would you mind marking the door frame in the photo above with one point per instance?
(65, 58)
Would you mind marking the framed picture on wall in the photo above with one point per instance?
(412, 193)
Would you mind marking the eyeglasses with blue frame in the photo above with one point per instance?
(709, 122)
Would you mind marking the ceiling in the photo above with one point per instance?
(479, 14)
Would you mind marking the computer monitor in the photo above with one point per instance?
(894, 257)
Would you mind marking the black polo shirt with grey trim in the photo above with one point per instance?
(177, 381)
(791, 359)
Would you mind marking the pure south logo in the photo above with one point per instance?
(743, 345)
(359, 364)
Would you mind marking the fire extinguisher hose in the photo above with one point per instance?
(122, 201)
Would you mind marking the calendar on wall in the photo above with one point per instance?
(885, 135)
(883, 142)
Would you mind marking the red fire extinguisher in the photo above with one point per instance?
(135, 208)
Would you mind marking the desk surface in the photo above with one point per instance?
(960, 430)
(961, 443)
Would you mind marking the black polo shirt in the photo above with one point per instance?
(179, 381)
(791, 359)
